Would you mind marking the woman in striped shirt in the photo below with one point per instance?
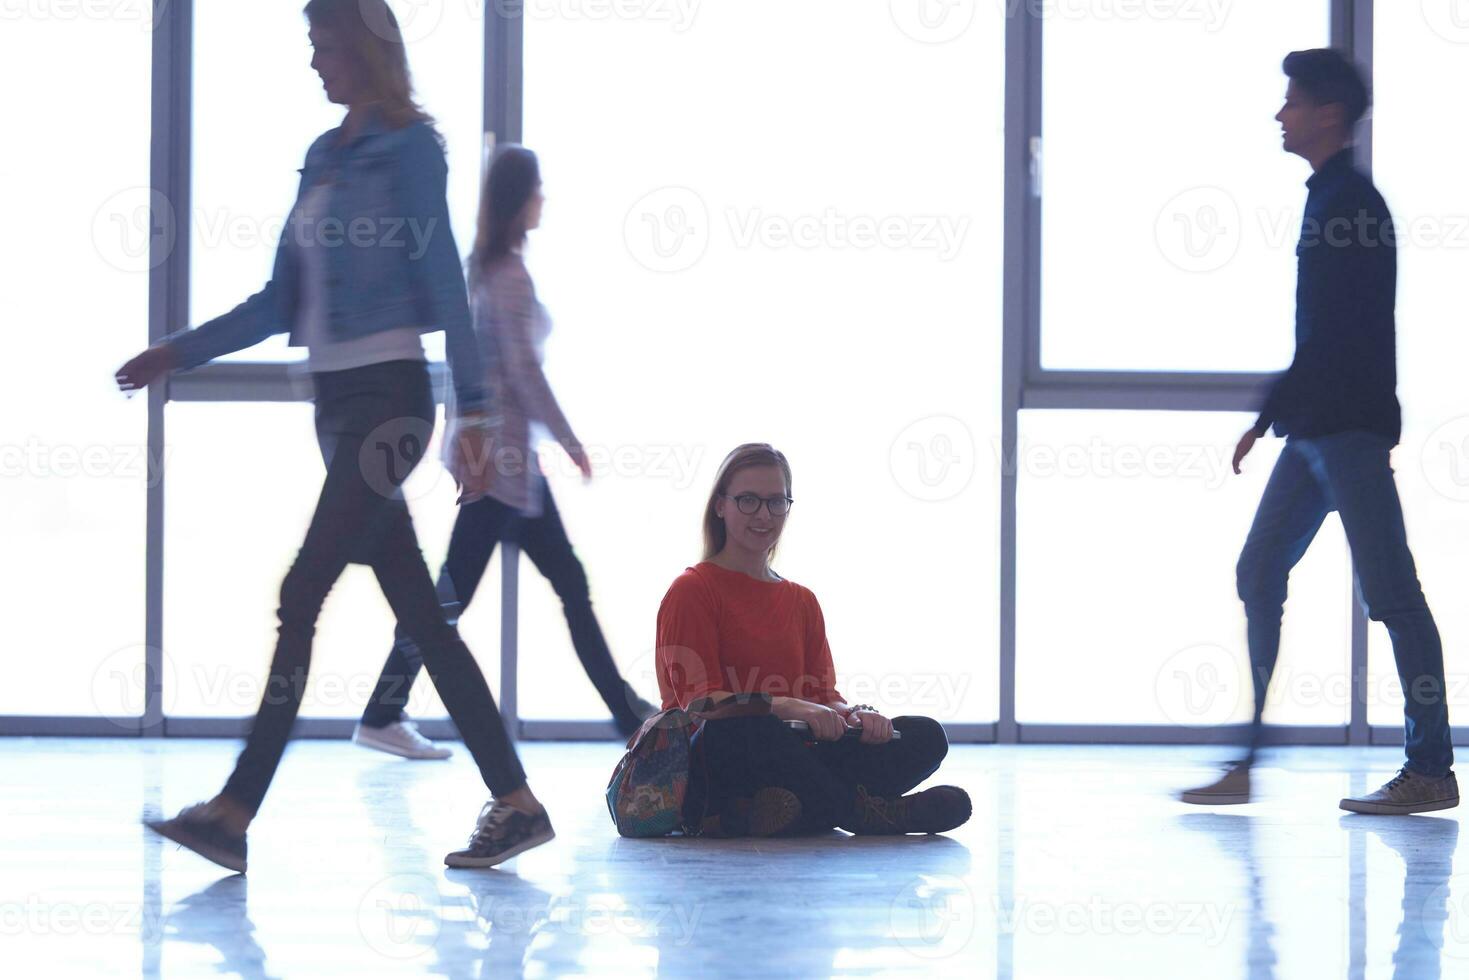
(516, 504)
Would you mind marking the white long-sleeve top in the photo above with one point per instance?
(513, 326)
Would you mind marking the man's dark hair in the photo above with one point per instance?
(1328, 76)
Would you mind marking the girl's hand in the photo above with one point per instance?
(471, 447)
(146, 368)
(579, 456)
(826, 724)
(876, 728)
(1246, 443)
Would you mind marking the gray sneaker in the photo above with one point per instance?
(1407, 792)
(201, 829)
(501, 833)
(1231, 788)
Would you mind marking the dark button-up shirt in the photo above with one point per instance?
(1344, 373)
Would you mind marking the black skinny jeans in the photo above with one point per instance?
(735, 758)
(478, 528)
(373, 424)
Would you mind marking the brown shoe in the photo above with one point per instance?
(1407, 792)
(1231, 788)
(771, 812)
(935, 810)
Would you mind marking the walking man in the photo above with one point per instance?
(1337, 409)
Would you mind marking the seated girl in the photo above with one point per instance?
(731, 624)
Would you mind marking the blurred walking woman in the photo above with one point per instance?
(347, 286)
(516, 504)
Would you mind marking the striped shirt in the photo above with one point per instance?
(512, 326)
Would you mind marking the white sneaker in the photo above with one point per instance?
(399, 738)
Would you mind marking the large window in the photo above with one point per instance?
(242, 483)
(1129, 527)
(739, 246)
(802, 223)
(73, 450)
(1419, 161)
(1170, 213)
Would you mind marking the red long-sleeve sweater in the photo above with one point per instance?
(720, 630)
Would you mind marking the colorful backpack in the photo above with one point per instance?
(646, 792)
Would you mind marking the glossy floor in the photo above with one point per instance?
(1077, 864)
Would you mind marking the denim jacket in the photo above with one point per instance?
(391, 257)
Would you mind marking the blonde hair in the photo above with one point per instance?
(742, 457)
(370, 32)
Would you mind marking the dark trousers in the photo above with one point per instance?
(479, 527)
(1348, 472)
(373, 424)
(735, 758)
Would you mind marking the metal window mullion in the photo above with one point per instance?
(1352, 33)
(1019, 319)
(504, 73)
(171, 96)
(503, 108)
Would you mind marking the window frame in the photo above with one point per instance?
(1025, 384)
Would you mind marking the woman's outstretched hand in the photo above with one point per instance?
(578, 456)
(876, 728)
(471, 449)
(1242, 449)
(146, 368)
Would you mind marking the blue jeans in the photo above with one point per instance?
(1347, 472)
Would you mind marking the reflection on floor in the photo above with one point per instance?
(1076, 864)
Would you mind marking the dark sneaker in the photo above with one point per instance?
(1408, 792)
(933, 811)
(201, 829)
(501, 833)
(1231, 788)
